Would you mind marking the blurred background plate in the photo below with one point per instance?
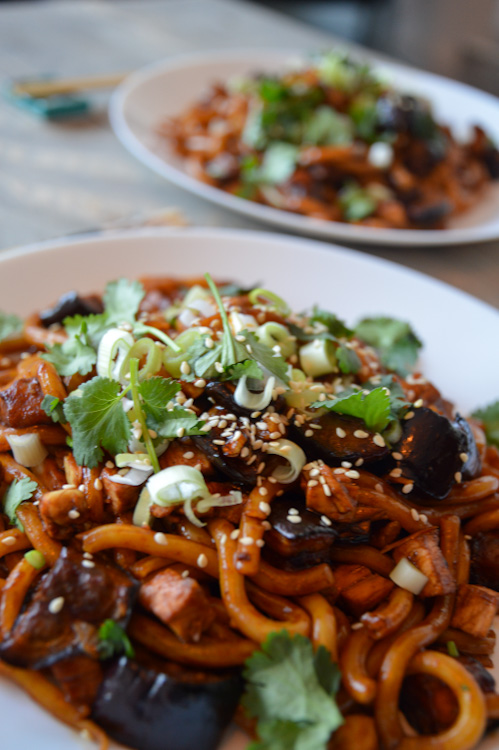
(165, 89)
(457, 331)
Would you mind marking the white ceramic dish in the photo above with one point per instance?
(456, 328)
(165, 89)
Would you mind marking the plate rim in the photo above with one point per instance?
(308, 226)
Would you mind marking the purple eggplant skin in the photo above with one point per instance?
(149, 710)
(484, 549)
(68, 305)
(432, 448)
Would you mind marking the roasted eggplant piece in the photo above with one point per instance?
(326, 443)
(300, 544)
(432, 448)
(66, 611)
(484, 549)
(150, 710)
(68, 305)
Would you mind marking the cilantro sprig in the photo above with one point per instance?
(377, 404)
(290, 691)
(18, 492)
(53, 408)
(489, 415)
(113, 641)
(10, 325)
(335, 330)
(395, 341)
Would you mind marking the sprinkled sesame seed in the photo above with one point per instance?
(314, 472)
(266, 525)
(205, 428)
(209, 343)
(340, 432)
(326, 490)
(73, 514)
(109, 465)
(464, 457)
(185, 368)
(185, 574)
(378, 440)
(309, 433)
(56, 605)
(346, 464)
(264, 507)
(223, 538)
(260, 543)
(188, 455)
(359, 462)
(397, 456)
(339, 470)
(98, 485)
(81, 488)
(69, 486)
(200, 383)
(261, 467)
(326, 521)
(9, 540)
(202, 561)
(312, 483)
(468, 537)
(219, 367)
(247, 541)
(407, 488)
(423, 518)
(263, 491)
(360, 434)
(352, 474)
(87, 555)
(396, 473)
(409, 415)
(234, 534)
(378, 487)
(294, 519)
(458, 477)
(418, 403)
(414, 514)
(219, 442)
(88, 564)
(261, 425)
(357, 626)
(160, 538)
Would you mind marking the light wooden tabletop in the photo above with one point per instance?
(58, 179)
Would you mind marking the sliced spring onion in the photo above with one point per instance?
(195, 293)
(300, 394)
(113, 349)
(293, 454)
(142, 348)
(35, 558)
(233, 498)
(199, 308)
(239, 322)
(173, 360)
(318, 358)
(274, 334)
(133, 461)
(408, 577)
(28, 449)
(268, 300)
(134, 478)
(141, 514)
(393, 432)
(254, 401)
(141, 330)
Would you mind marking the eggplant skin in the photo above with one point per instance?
(68, 305)
(149, 710)
(432, 447)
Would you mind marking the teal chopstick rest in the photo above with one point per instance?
(56, 107)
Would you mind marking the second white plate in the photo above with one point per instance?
(165, 89)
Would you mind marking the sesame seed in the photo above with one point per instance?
(464, 457)
(9, 540)
(309, 433)
(160, 538)
(407, 488)
(81, 488)
(263, 491)
(87, 555)
(209, 343)
(185, 368)
(294, 519)
(223, 538)
(326, 521)
(396, 473)
(360, 434)
(339, 470)
(314, 472)
(109, 465)
(397, 456)
(423, 518)
(264, 507)
(260, 543)
(98, 485)
(56, 605)
(359, 462)
(261, 425)
(261, 467)
(293, 512)
(69, 486)
(378, 487)
(458, 477)
(152, 433)
(247, 541)
(409, 415)
(357, 626)
(244, 451)
(326, 490)
(378, 440)
(88, 564)
(414, 514)
(185, 574)
(352, 474)
(418, 403)
(234, 534)
(219, 442)
(219, 367)
(345, 464)
(73, 514)
(202, 561)
(340, 432)
(276, 435)
(312, 483)
(468, 537)
(266, 525)
(240, 338)
(200, 383)
(188, 455)
(205, 428)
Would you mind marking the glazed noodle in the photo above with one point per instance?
(191, 474)
(333, 141)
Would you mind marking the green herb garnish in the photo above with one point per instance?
(396, 342)
(53, 408)
(18, 492)
(10, 325)
(489, 415)
(114, 641)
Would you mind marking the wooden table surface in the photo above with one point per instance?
(57, 179)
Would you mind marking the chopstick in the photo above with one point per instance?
(42, 89)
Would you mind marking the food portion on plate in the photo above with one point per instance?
(333, 140)
(215, 507)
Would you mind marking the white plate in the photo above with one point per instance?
(456, 328)
(165, 89)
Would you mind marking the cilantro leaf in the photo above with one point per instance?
(395, 340)
(334, 325)
(266, 357)
(348, 360)
(97, 419)
(122, 299)
(74, 355)
(289, 690)
(9, 325)
(19, 491)
(175, 420)
(53, 407)
(373, 407)
(489, 415)
(249, 368)
(95, 327)
(156, 393)
(113, 641)
(357, 203)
